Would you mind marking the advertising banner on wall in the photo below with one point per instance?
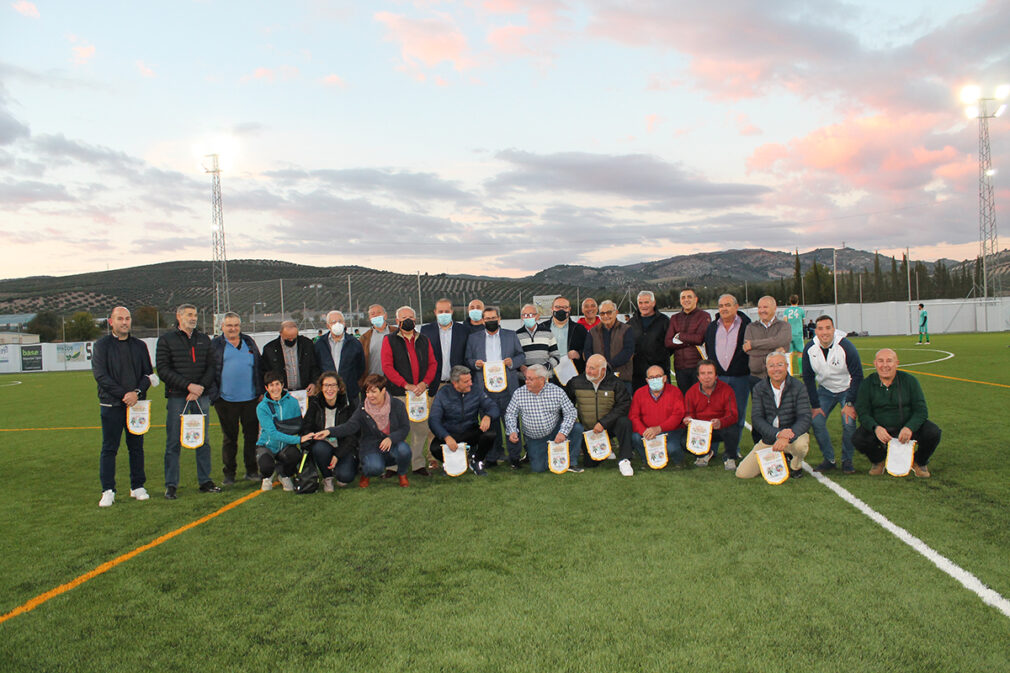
(31, 358)
(9, 361)
(74, 355)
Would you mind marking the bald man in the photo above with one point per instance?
(293, 357)
(890, 404)
(602, 403)
(765, 335)
(121, 366)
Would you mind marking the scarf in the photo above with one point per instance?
(379, 413)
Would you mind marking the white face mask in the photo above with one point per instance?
(337, 328)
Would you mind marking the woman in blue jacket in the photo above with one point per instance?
(276, 450)
(383, 424)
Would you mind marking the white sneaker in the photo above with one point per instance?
(287, 484)
(625, 467)
(268, 485)
(703, 460)
(327, 484)
(730, 464)
(108, 497)
(140, 493)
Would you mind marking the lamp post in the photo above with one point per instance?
(255, 304)
(978, 106)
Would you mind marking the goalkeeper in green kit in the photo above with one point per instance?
(795, 315)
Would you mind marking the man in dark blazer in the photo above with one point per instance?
(570, 335)
(293, 357)
(448, 340)
(351, 364)
(496, 343)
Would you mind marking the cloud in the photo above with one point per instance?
(14, 194)
(397, 184)
(333, 80)
(144, 70)
(427, 42)
(11, 129)
(83, 54)
(745, 126)
(637, 177)
(26, 8)
(57, 148)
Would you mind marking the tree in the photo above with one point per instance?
(46, 324)
(798, 277)
(149, 316)
(82, 327)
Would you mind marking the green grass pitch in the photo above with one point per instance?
(666, 571)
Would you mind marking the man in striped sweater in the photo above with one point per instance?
(538, 343)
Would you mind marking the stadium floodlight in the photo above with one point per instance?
(970, 94)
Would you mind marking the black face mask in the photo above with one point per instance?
(491, 326)
(561, 315)
(407, 325)
(290, 342)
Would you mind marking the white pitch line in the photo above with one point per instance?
(11, 383)
(903, 365)
(967, 580)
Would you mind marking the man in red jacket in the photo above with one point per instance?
(684, 336)
(658, 408)
(712, 400)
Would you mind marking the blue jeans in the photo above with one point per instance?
(828, 401)
(113, 425)
(346, 468)
(536, 449)
(374, 464)
(674, 446)
(173, 409)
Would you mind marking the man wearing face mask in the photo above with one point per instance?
(293, 357)
(371, 340)
(602, 402)
(408, 361)
(497, 344)
(448, 340)
(335, 351)
(570, 335)
(538, 343)
(658, 408)
(474, 317)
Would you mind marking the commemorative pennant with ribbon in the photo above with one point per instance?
(597, 444)
(192, 428)
(655, 451)
(773, 466)
(899, 457)
(495, 378)
(454, 462)
(699, 437)
(557, 457)
(303, 399)
(417, 407)
(138, 417)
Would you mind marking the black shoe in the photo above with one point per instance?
(229, 480)
(825, 466)
(516, 465)
(170, 493)
(478, 467)
(422, 472)
(795, 474)
(209, 487)
(590, 463)
(253, 476)
(387, 474)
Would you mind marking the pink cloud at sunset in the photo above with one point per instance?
(428, 41)
(26, 8)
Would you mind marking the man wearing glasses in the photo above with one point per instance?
(614, 341)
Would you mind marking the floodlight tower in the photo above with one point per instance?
(978, 106)
(219, 267)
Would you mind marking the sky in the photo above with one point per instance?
(493, 137)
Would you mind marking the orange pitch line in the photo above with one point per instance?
(81, 427)
(954, 378)
(109, 565)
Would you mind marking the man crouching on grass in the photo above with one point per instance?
(890, 404)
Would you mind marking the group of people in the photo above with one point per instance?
(393, 402)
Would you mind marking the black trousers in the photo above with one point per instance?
(285, 462)
(479, 442)
(231, 414)
(686, 378)
(927, 438)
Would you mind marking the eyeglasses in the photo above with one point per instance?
(330, 385)
(529, 315)
(607, 312)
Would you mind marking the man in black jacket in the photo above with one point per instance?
(649, 327)
(293, 357)
(570, 335)
(121, 365)
(186, 365)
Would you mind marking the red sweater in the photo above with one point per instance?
(666, 412)
(721, 404)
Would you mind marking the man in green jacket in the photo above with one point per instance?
(890, 404)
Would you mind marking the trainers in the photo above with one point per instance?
(702, 461)
(478, 467)
(516, 465)
(139, 493)
(625, 467)
(825, 466)
(267, 485)
(795, 474)
(877, 469)
(927, 343)
(209, 487)
(170, 493)
(363, 482)
(920, 470)
(108, 497)
(229, 480)
(848, 467)
(576, 469)
(403, 481)
(327, 484)
(252, 476)
(730, 464)
(287, 484)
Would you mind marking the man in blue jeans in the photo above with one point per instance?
(832, 372)
(546, 415)
(186, 365)
(121, 366)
